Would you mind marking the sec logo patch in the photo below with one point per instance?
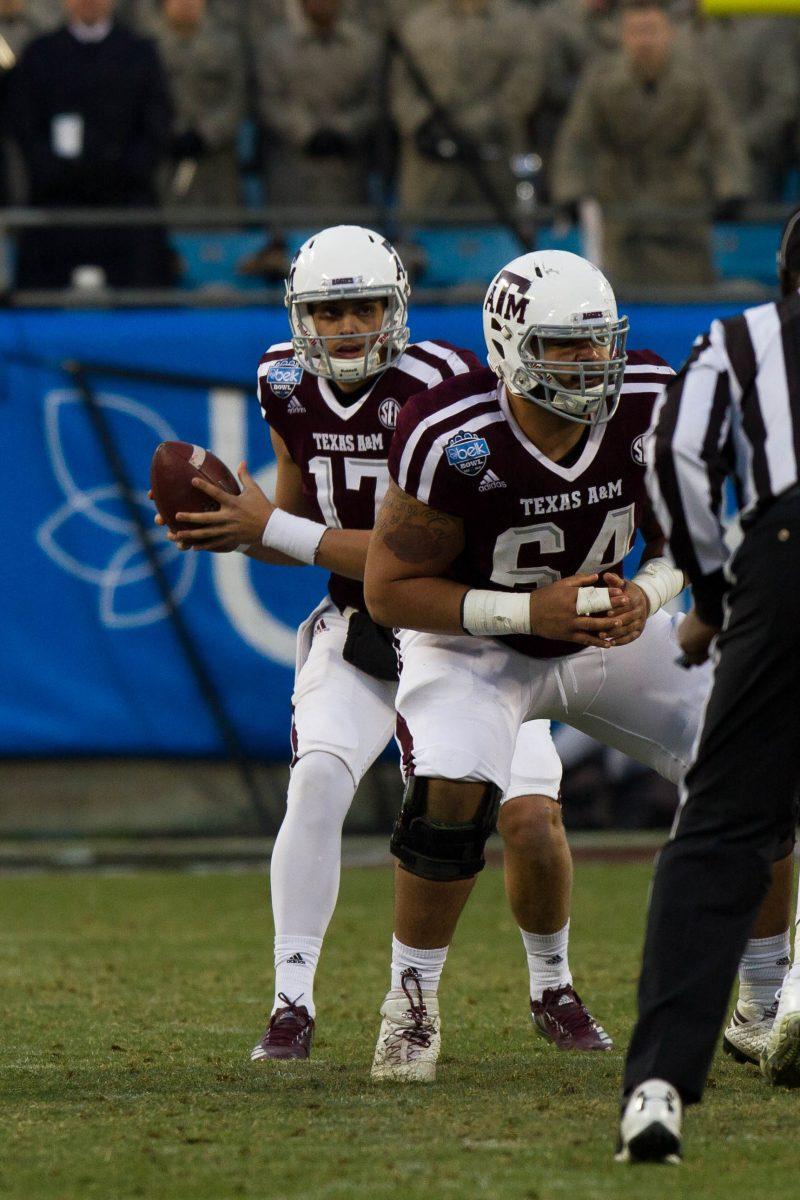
(388, 412)
(638, 450)
(283, 377)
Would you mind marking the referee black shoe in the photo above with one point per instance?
(650, 1130)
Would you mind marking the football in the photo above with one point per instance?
(174, 466)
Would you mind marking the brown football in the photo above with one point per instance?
(174, 466)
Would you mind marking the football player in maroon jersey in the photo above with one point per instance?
(516, 494)
(331, 397)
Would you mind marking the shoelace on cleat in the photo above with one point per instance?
(574, 1016)
(283, 1024)
(422, 1030)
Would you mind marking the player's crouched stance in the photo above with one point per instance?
(516, 495)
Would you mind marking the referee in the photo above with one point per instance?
(733, 412)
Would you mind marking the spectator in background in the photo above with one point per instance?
(19, 17)
(649, 136)
(234, 13)
(482, 61)
(574, 33)
(318, 101)
(374, 14)
(204, 62)
(18, 26)
(757, 64)
(91, 113)
(49, 14)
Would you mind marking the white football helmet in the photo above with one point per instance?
(548, 296)
(347, 262)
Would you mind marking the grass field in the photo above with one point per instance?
(129, 1005)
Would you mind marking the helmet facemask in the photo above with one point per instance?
(593, 396)
(382, 347)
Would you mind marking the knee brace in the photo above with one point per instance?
(442, 850)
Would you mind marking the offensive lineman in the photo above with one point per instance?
(331, 397)
(513, 502)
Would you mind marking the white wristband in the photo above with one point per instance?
(592, 600)
(296, 537)
(660, 582)
(493, 614)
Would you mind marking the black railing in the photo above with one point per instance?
(277, 220)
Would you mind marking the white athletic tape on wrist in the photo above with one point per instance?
(592, 600)
(297, 537)
(660, 582)
(495, 614)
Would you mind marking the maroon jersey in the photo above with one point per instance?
(528, 521)
(341, 443)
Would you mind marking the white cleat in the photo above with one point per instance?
(410, 1037)
(650, 1130)
(750, 1025)
(780, 1062)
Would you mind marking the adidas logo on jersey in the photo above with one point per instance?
(294, 406)
(489, 481)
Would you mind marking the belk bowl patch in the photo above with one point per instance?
(283, 376)
(467, 452)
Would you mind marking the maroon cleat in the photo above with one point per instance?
(563, 1018)
(289, 1034)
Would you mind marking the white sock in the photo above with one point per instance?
(296, 961)
(428, 963)
(764, 963)
(548, 960)
(305, 868)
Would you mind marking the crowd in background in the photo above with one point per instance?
(660, 119)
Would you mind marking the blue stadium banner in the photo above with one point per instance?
(90, 662)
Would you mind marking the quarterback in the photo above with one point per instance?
(331, 397)
(516, 493)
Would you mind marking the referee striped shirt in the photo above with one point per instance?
(732, 411)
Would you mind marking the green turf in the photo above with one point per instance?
(129, 1005)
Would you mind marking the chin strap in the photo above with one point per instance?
(576, 405)
(342, 368)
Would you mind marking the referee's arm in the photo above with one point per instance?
(688, 462)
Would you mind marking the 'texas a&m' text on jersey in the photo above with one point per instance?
(528, 521)
(341, 442)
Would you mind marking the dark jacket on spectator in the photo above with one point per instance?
(116, 90)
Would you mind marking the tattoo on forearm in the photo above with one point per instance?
(414, 533)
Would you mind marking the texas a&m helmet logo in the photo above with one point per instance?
(467, 452)
(283, 377)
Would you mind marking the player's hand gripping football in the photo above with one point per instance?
(554, 615)
(239, 520)
(632, 620)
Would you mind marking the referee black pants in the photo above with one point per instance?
(738, 803)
